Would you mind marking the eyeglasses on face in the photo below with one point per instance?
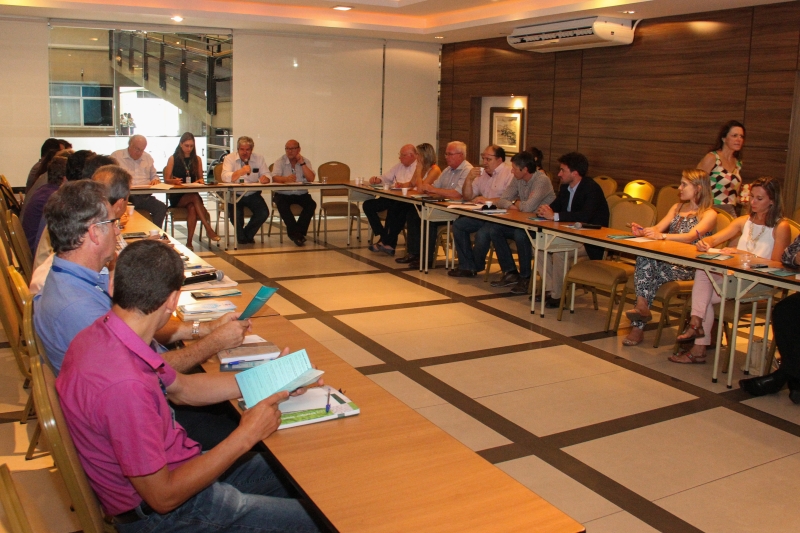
(292, 148)
(114, 221)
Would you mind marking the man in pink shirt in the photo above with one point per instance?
(146, 472)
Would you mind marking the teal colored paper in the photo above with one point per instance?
(258, 301)
(284, 373)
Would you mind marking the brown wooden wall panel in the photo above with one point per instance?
(461, 116)
(776, 37)
(684, 108)
(769, 108)
(703, 44)
(568, 64)
(763, 162)
(479, 61)
(448, 62)
(566, 106)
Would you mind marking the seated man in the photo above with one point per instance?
(580, 199)
(530, 189)
(448, 185)
(483, 183)
(48, 145)
(294, 168)
(83, 230)
(142, 168)
(34, 203)
(144, 469)
(251, 168)
(400, 175)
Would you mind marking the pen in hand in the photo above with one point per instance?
(328, 404)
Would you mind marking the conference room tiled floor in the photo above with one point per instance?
(618, 438)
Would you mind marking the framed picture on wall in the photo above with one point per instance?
(507, 128)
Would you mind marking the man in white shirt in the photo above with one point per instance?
(400, 176)
(142, 168)
(294, 168)
(248, 167)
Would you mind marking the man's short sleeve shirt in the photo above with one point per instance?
(143, 170)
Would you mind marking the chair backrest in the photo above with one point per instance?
(796, 215)
(22, 294)
(20, 244)
(335, 172)
(16, 516)
(607, 183)
(218, 173)
(794, 226)
(631, 210)
(641, 189)
(11, 319)
(615, 198)
(51, 419)
(724, 220)
(667, 197)
(8, 197)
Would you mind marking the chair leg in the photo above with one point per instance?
(29, 411)
(621, 306)
(663, 321)
(594, 298)
(34, 441)
(613, 296)
(687, 302)
(489, 263)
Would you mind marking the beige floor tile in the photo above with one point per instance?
(230, 270)
(12, 396)
(406, 390)
(424, 318)
(354, 292)
(778, 405)
(463, 427)
(559, 489)
(620, 522)
(304, 264)
(271, 245)
(760, 499)
(14, 440)
(351, 352)
(316, 329)
(521, 370)
(463, 286)
(583, 401)
(673, 456)
(383, 259)
(45, 500)
(283, 306)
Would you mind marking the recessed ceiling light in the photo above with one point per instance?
(438, 37)
(93, 39)
(177, 18)
(342, 8)
(629, 12)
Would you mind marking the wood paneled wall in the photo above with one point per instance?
(647, 110)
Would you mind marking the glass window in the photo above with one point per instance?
(60, 89)
(65, 111)
(97, 112)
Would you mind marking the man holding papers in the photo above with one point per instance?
(146, 472)
(83, 231)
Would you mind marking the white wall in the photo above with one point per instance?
(331, 100)
(25, 103)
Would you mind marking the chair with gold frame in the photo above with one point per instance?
(607, 183)
(336, 172)
(16, 515)
(20, 245)
(640, 189)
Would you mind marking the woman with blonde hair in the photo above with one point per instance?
(427, 170)
(686, 221)
(764, 233)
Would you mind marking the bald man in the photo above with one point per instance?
(141, 167)
(400, 176)
(292, 167)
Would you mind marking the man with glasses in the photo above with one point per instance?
(247, 167)
(294, 168)
(142, 168)
(448, 185)
(484, 183)
(399, 176)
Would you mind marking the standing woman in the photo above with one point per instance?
(723, 164)
(764, 233)
(184, 167)
(686, 221)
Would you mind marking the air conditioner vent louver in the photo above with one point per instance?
(573, 34)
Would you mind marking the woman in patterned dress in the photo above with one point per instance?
(685, 222)
(723, 164)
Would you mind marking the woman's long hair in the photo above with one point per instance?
(194, 170)
(773, 189)
(723, 132)
(703, 198)
(428, 156)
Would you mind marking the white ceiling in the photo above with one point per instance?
(413, 20)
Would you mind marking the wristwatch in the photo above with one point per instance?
(196, 328)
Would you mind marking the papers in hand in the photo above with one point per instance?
(282, 374)
(254, 348)
(309, 408)
(209, 310)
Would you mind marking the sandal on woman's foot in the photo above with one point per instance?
(635, 315)
(688, 358)
(633, 340)
(691, 333)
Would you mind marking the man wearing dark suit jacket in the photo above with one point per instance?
(579, 199)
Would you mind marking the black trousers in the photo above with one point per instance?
(787, 334)
(299, 227)
(256, 204)
(395, 218)
(413, 227)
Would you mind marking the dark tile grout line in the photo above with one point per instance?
(546, 448)
(4, 345)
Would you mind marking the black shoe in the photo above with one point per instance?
(508, 279)
(552, 303)
(414, 265)
(461, 273)
(298, 241)
(302, 238)
(769, 384)
(407, 259)
(521, 287)
(245, 241)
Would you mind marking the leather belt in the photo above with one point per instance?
(129, 517)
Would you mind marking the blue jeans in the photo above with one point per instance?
(499, 233)
(247, 498)
(470, 258)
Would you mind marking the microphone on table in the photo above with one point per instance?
(586, 225)
(201, 277)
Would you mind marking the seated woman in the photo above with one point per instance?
(685, 222)
(185, 167)
(427, 170)
(764, 233)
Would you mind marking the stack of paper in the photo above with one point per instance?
(203, 311)
(254, 348)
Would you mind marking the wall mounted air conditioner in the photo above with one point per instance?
(573, 34)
